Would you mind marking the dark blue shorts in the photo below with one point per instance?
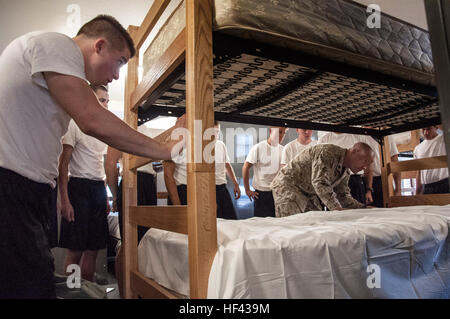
(89, 231)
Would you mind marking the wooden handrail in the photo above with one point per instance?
(170, 218)
(160, 70)
(150, 21)
(418, 164)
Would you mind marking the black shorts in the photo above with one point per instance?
(89, 231)
(26, 262)
(377, 194)
(146, 195)
(265, 205)
(182, 195)
(225, 208)
(439, 187)
(357, 188)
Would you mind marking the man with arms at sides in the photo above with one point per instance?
(319, 175)
(46, 87)
(175, 177)
(84, 225)
(265, 158)
(295, 147)
(431, 181)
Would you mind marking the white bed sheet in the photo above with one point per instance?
(316, 255)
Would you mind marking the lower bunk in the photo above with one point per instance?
(365, 253)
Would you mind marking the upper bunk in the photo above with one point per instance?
(305, 64)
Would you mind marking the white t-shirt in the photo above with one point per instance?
(87, 156)
(31, 123)
(431, 148)
(293, 148)
(345, 140)
(266, 160)
(221, 158)
(149, 167)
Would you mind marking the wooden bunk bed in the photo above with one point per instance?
(190, 76)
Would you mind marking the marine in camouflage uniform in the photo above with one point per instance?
(315, 175)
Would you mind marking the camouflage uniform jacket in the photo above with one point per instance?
(316, 173)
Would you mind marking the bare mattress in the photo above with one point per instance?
(248, 84)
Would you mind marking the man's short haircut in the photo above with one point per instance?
(108, 27)
(95, 88)
(365, 148)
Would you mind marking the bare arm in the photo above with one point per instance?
(246, 177)
(419, 185)
(78, 100)
(112, 172)
(368, 177)
(397, 178)
(169, 169)
(232, 176)
(63, 178)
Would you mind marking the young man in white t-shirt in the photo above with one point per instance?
(46, 86)
(293, 148)
(431, 181)
(265, 158)
(175, 177)
(84, 225)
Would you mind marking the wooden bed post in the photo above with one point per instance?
(201, 187)
(386, 176)
(129, 183)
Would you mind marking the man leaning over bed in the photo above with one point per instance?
(319, 174)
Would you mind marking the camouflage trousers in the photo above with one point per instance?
(290, 201)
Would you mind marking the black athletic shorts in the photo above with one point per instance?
(89, 231)
(439, 187)
(225, 208)
(26, 262)
(146, 195)
(357, 187)
(265, 205)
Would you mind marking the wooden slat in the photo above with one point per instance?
(148, 288)
(202, 228)
(171, 218)
(160, 70)
(150, 21)
(129, 189)
(418, 164)
(434, 199)
(409, 175)
(162, 195)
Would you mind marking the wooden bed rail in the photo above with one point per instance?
(150, 21)
(417, 200)
(417, 164)
(170, 218)
(159, 71)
